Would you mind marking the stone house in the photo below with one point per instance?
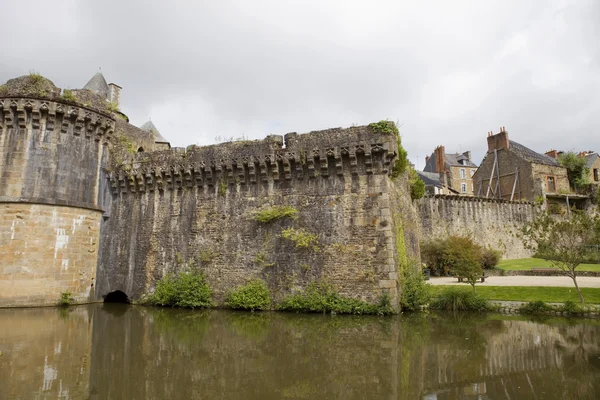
(511, 171)
(455, 171)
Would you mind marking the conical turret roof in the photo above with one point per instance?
(98, 85)
(149, 127)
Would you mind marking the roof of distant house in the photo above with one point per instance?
(530, 155)
(590, 159)
(450, 160)
(430, 178)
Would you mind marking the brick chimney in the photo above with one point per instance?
(440, 154)
(114, 94)
(426, 159)
(498, 141)
(552, 154)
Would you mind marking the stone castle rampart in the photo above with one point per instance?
(491, 222)
(196, 208)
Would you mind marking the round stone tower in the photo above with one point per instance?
(52, 151)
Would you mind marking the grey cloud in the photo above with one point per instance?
(449, 73)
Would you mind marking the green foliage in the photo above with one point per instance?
(301, 238)
(415, 291)
(3, 89)
(417, 186)
(464, 257)
(535, 307)
(112, 107)
(65, 299)
(555, 209)
(457, 299)
(577, 170)
(571, 308)
(384, 127)
(222, 188)
(432, 254)
(490, 257)
(321, 298)
(36, 84)
(539, 200)
(401, 164)
(253, 296)
(458, 255)
(276, 212)
(68, 96)
(125, 144)
(565, 242)
(187, 290)
(206, 256)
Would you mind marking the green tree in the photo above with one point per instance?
(464, 258)
(565, 242)
(577, 170)
(417, 186)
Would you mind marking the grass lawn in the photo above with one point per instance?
(530, 293)
(525, 264)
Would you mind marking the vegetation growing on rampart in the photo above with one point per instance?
(276, 212)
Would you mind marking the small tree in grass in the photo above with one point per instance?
(565, 242)
(464, 258)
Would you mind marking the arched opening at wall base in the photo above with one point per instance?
(116, 296)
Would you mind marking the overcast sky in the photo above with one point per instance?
(448, 71)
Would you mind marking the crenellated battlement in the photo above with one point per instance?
(476, 199)
(31, 113)
(319, 154)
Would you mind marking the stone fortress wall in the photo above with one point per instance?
(51, 160)
(195, 208)
(491, 222)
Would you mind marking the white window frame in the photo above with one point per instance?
(463, 187)
(463, 173)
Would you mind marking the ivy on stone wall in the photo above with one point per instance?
(386, 127)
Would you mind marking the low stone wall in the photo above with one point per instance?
(490, 222)
(45, 251)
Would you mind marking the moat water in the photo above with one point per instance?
(115, 351)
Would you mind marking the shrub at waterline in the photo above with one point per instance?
(415, 291)
(535, 307)
(320, 297)
(458, 299)
(187, 290)
(65, 299)
(253, 296)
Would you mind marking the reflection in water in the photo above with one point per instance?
(116, 351)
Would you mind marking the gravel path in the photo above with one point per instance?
(554, 281)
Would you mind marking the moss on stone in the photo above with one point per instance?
(276, 212)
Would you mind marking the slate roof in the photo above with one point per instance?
(455, 160)
(149, 127)
(452, 160)
(530, 155)
(590, 159)
(430, 178)
(98, 85)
